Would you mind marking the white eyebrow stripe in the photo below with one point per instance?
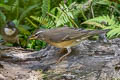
(39, 32)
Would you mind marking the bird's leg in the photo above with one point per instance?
(61, 58)
(62, 51)
(18, 42)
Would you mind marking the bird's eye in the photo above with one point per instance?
(36, 34)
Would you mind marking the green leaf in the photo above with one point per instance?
(23, 30)
(27, 11)
(43, 21)
(111, 23)
(45, 7)
(7, 7)
(2, 16)
(115, 32)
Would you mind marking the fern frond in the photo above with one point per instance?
(110, 21)
(94, 23)
(45, 7)
(27, 11)
(111, 24)
(15, 8)
(23, 30)
(30, 21)
(6, 7)
(114, 32)
(64, 16)
(43, 21)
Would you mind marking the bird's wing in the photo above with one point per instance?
(64, 34)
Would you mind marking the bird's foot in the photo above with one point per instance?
(61, 58)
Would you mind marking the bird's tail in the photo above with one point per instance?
(96, 32)
(89, 33)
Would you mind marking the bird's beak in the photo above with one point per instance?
(32, 37)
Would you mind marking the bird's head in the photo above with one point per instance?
(37, 35)
(10, 24)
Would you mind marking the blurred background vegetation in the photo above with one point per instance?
(29, 15)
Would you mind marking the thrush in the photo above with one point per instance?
(9, 33)
(64, 37)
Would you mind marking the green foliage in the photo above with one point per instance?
(29, 15)
(17, 11)
(27, 11)
(45, 7)
(107, 23)
(2, 17)
(43, 21)
(64, 16)
(34, 44)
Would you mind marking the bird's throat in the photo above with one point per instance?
(9, 31)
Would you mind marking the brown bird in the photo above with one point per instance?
(9, 33)
(64, 37)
